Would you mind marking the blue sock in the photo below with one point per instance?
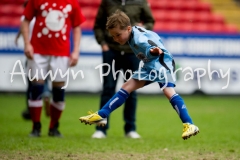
(178, 104)
(116, 101)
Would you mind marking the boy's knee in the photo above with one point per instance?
(58, 94)
(36, 91)
(169, 92)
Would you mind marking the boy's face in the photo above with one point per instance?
(120, 36)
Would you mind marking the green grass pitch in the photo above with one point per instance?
(158, 124)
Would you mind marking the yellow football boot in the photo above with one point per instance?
(93, 118)
(189, 130)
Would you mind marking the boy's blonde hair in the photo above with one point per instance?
(118, 18)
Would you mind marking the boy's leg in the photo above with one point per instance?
(189, 128)
(178, 104)
(35, 107)
(26, 113)
(46, 98)
(116, 101)
(56, 107)
(109, 87)
(180, 107)
(100, 118)
(35, 103)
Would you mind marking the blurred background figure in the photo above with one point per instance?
(140, 14)
(47, 93)
(49, 50)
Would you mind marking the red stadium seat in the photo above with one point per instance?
(152, 2)
(188, 16)
(17, 10)
(160, 15)
(88, 3)
(196, 6)
(174, 16)
(175, 5)
(11, 10)
(5, 9)
(89, 12)
(9, 21)
(160, 26)
(201, 27)
(15, 22)
(162, 5)
(204, 7)
(230, 28)
(216, 28)
(18, 2)
(171, 16)
(202, 17)
(88, 25)
(173, 26)
(4, 21)
(166, 26)
(186, 26)
(216, 18)
(189, 5)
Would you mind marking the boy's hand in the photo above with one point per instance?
(105, 48)
(28, 50)
(74, 58)
(16, 40)
(156, 51)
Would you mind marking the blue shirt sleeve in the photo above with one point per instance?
(144, 40)
(144, 45)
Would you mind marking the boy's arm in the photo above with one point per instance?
(28, 49)
(150, 46)
(17, 37)
(76, 46)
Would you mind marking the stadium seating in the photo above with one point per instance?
(89, 12)
(230, 28)
(189, 5)
(4, 21)
(11, 10)
(9, 21)
(88, 25)
(188, 16)
(89, 3)
(17, 2)
(171, 15)
(229, 8)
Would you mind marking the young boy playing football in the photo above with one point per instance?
(148, 47)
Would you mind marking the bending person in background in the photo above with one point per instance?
(49, 50)
(47, 92)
